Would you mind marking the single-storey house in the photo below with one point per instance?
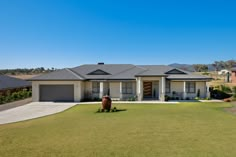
(12, 84)
(119, 81)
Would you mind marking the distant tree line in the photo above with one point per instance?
(218, 65)
(26, 71)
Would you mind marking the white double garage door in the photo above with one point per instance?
(63, 93)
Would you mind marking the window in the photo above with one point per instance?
(127, 88)
(167, 86)
(95, 87)
(190, 87)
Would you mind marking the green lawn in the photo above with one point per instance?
(144, 130)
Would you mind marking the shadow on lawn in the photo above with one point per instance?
(110, 111)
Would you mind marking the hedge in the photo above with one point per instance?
(10, 97)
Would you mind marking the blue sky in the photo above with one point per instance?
(56, 33)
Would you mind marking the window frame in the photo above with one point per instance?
(190, 85)
(127, 87)
(95, 87)
(169, 87)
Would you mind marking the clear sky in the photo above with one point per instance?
(67, 33)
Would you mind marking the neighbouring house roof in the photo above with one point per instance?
(233, 69)
(117, 72)
(7, 82)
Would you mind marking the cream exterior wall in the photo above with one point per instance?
(203, 89)
(88, 90)
(114, 89)
(82, 88)
(178, 86)
(77, 88)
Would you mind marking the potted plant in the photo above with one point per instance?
(106, 103)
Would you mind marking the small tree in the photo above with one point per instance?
(198, 93)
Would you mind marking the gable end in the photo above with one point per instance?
(98, 72)
(175, 71)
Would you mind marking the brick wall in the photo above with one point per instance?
(233, 77)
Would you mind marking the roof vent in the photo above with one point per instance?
(100, 63)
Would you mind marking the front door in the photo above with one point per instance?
(147, 89)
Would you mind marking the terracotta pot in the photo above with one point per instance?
(106, 103)
(227, 100)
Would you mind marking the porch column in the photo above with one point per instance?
(208, 94)
(139, 88)
(121, 96)
(35, 91)
(77, 91)
(101, 90)
(163, 88)
(184, 90)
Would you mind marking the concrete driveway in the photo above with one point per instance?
(32, 110)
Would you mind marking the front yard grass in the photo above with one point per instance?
(144, 130)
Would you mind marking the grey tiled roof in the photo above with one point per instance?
(7, 82)
(115, 72)
(112, 69)
(154, 70)
(188, 77)
(64, 74)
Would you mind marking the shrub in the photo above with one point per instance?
(9, 97)
(86, 99)
(216, 87)
(225, 89)
(234, 89)
(133, 98)
(217, 94)
(97, 99)
(15, 96)
(114, 109)
(207, 98)
(167, 98)
(2, 98)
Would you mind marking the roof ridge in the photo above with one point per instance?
(74, 73)
(145, 69)
(123, 71)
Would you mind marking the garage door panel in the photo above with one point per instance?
(57, 93)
